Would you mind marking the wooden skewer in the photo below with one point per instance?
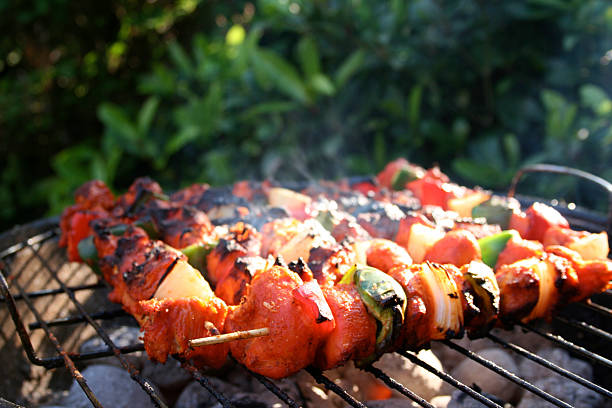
(222, 338)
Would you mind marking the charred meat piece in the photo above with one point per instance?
(234, 285)
(535, 287)
(383, 254)
(517, 249)
(169, 324)
(142, 194)
(354, 337)
(594, 276)
(380, 220)
(181, 226)
(189, 195)
(418, 318)
(242, 240)
(93, 198)
(457, 247)
(137, 265)
(219, 203)
(295, 335)
(329, 263)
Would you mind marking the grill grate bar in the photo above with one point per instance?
(36, 239)
(507, 374)
(568, 345)
(551, 366)
(72, 319)
(28, 344)
(598, 308)
(396, 385)
(451, 380)
(124, 363)
(48, 292)
(585, 326)
(274, 389)
(204, 382)
(56, 362)
(332, 386)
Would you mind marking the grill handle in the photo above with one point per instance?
(555, 169)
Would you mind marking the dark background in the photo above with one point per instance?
(218, 91)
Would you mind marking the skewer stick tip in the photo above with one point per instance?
(223, 338)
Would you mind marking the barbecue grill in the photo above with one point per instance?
(584, 329)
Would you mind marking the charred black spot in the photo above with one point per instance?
(279, 261)
(453, 295)
(227, 247)
(299, 267)
(317, 261)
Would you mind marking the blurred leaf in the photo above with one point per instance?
(479, 173)
(180, 139)
(146, 114)
(308, 55)
(180, 58)
(349, 67)
(595, 98)
(281, 73)
(269, 107)
(414, 104)
(114, 118)
(559, 115)
(322, 85)
(511, 149)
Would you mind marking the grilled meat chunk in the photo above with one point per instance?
(294, 336)
(169, 324)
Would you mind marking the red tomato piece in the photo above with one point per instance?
(310, 296)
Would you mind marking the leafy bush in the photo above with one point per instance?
(293, 89)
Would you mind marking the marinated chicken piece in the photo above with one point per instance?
(169, 324)
(347, 229)
(354, 337)
(143, 194)
(76, 227)
(380, 220)
(383, 254)
(234, 285)
(517, 249)
(457, 247)
(93, 200)
(535, 287)
(295, 334)
(218, 203)
(190, 195)
(329, 263)
(415, 331)
(136, 267)
(594, 276)
(587, 244)
(310, 234)
(242, 240)
(181, 226)
(277, 233)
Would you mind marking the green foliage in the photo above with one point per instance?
(289, 89)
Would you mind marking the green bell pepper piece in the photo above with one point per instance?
(493, 245)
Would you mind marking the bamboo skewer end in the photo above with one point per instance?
(223, 338)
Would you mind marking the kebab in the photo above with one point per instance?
(455, 308)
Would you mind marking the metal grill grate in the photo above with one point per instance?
(48, 263)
